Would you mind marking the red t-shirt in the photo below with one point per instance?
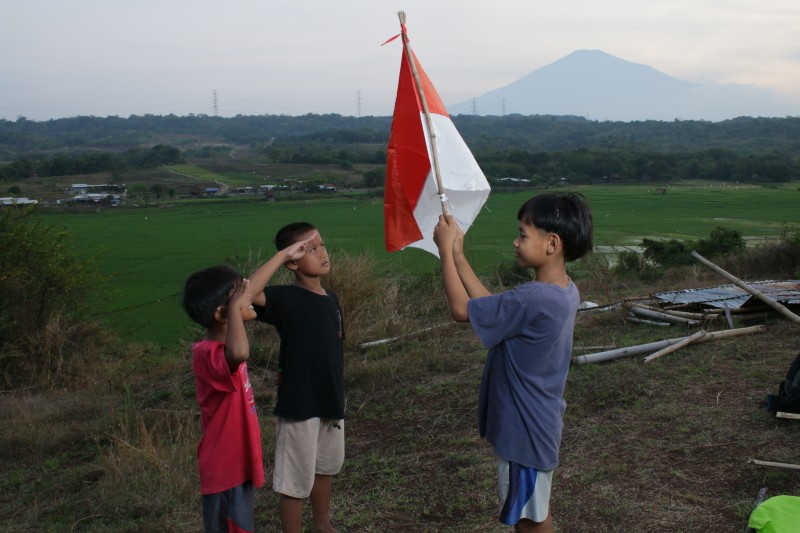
(229, 452)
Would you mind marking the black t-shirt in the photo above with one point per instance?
(311, 360)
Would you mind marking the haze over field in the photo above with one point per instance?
(93, 57)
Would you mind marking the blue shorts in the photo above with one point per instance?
(524, 492)
(230, 511)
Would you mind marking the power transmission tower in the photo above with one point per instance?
(474, 106)
(358, 103)
(216, 108)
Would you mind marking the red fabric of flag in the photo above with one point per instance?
(411, 201)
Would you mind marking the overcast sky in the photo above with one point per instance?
(65, 58)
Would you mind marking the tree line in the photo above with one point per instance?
(536, 133)
(541, 149)
(89, 163)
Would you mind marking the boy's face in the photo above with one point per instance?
(531, 245)
(315, 262)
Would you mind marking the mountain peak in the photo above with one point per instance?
(601, 86)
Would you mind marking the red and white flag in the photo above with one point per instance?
(412, 203)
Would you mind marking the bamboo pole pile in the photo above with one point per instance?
(654, 347)
(741, 284)
(663, 317)
(677, 346)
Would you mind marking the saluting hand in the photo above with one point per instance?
(297, 250)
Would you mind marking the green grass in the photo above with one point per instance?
(198, 172)
(148, 252)
(662, 446)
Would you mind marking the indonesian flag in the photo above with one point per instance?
(412, 203)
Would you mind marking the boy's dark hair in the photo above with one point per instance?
(290, 233)
(207, 289)
(565, 214)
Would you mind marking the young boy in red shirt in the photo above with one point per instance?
(229, 454)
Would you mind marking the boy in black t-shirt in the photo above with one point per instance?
(310, 407)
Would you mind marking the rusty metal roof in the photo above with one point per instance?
(784, 292)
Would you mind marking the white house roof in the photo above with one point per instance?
(10, 200)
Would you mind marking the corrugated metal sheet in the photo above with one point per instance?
(784, 292)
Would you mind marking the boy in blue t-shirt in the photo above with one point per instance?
(528, 331)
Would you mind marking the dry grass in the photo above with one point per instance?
(61, 354)
(662, 446)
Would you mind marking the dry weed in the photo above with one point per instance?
(152, 454)
(63, 353)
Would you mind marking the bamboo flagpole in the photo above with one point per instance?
(418, 84)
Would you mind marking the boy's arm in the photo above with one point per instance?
(237, 347)
(444, 236)
(261, 276)
(472, 284)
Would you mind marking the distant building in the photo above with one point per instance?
(97, 198)
(84, 188)
(10, 200)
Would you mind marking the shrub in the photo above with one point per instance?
(509, 274)
(628, 263)
(674, 253)
(651, 272)
(720, 242)
(775, 259)
(669, 253)
(44, 292)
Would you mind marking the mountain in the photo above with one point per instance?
(599, 86)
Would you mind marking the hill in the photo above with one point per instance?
(597, 85)
(662, 446)
(23, 139)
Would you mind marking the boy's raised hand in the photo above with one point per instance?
(262, 275)
(447, 235)
(240, 298)
(297, 250)
(458, 243)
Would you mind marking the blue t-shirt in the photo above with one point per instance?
(528, 331)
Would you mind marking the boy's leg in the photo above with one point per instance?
(321, 504)
(302, 447)
(291, 513)
(529, 526)
(330, 457)
(293, 479)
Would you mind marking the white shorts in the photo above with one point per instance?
(303, 449)
(523, 492)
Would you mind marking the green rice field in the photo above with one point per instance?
(147, 253)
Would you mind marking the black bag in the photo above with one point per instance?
(788, 398)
